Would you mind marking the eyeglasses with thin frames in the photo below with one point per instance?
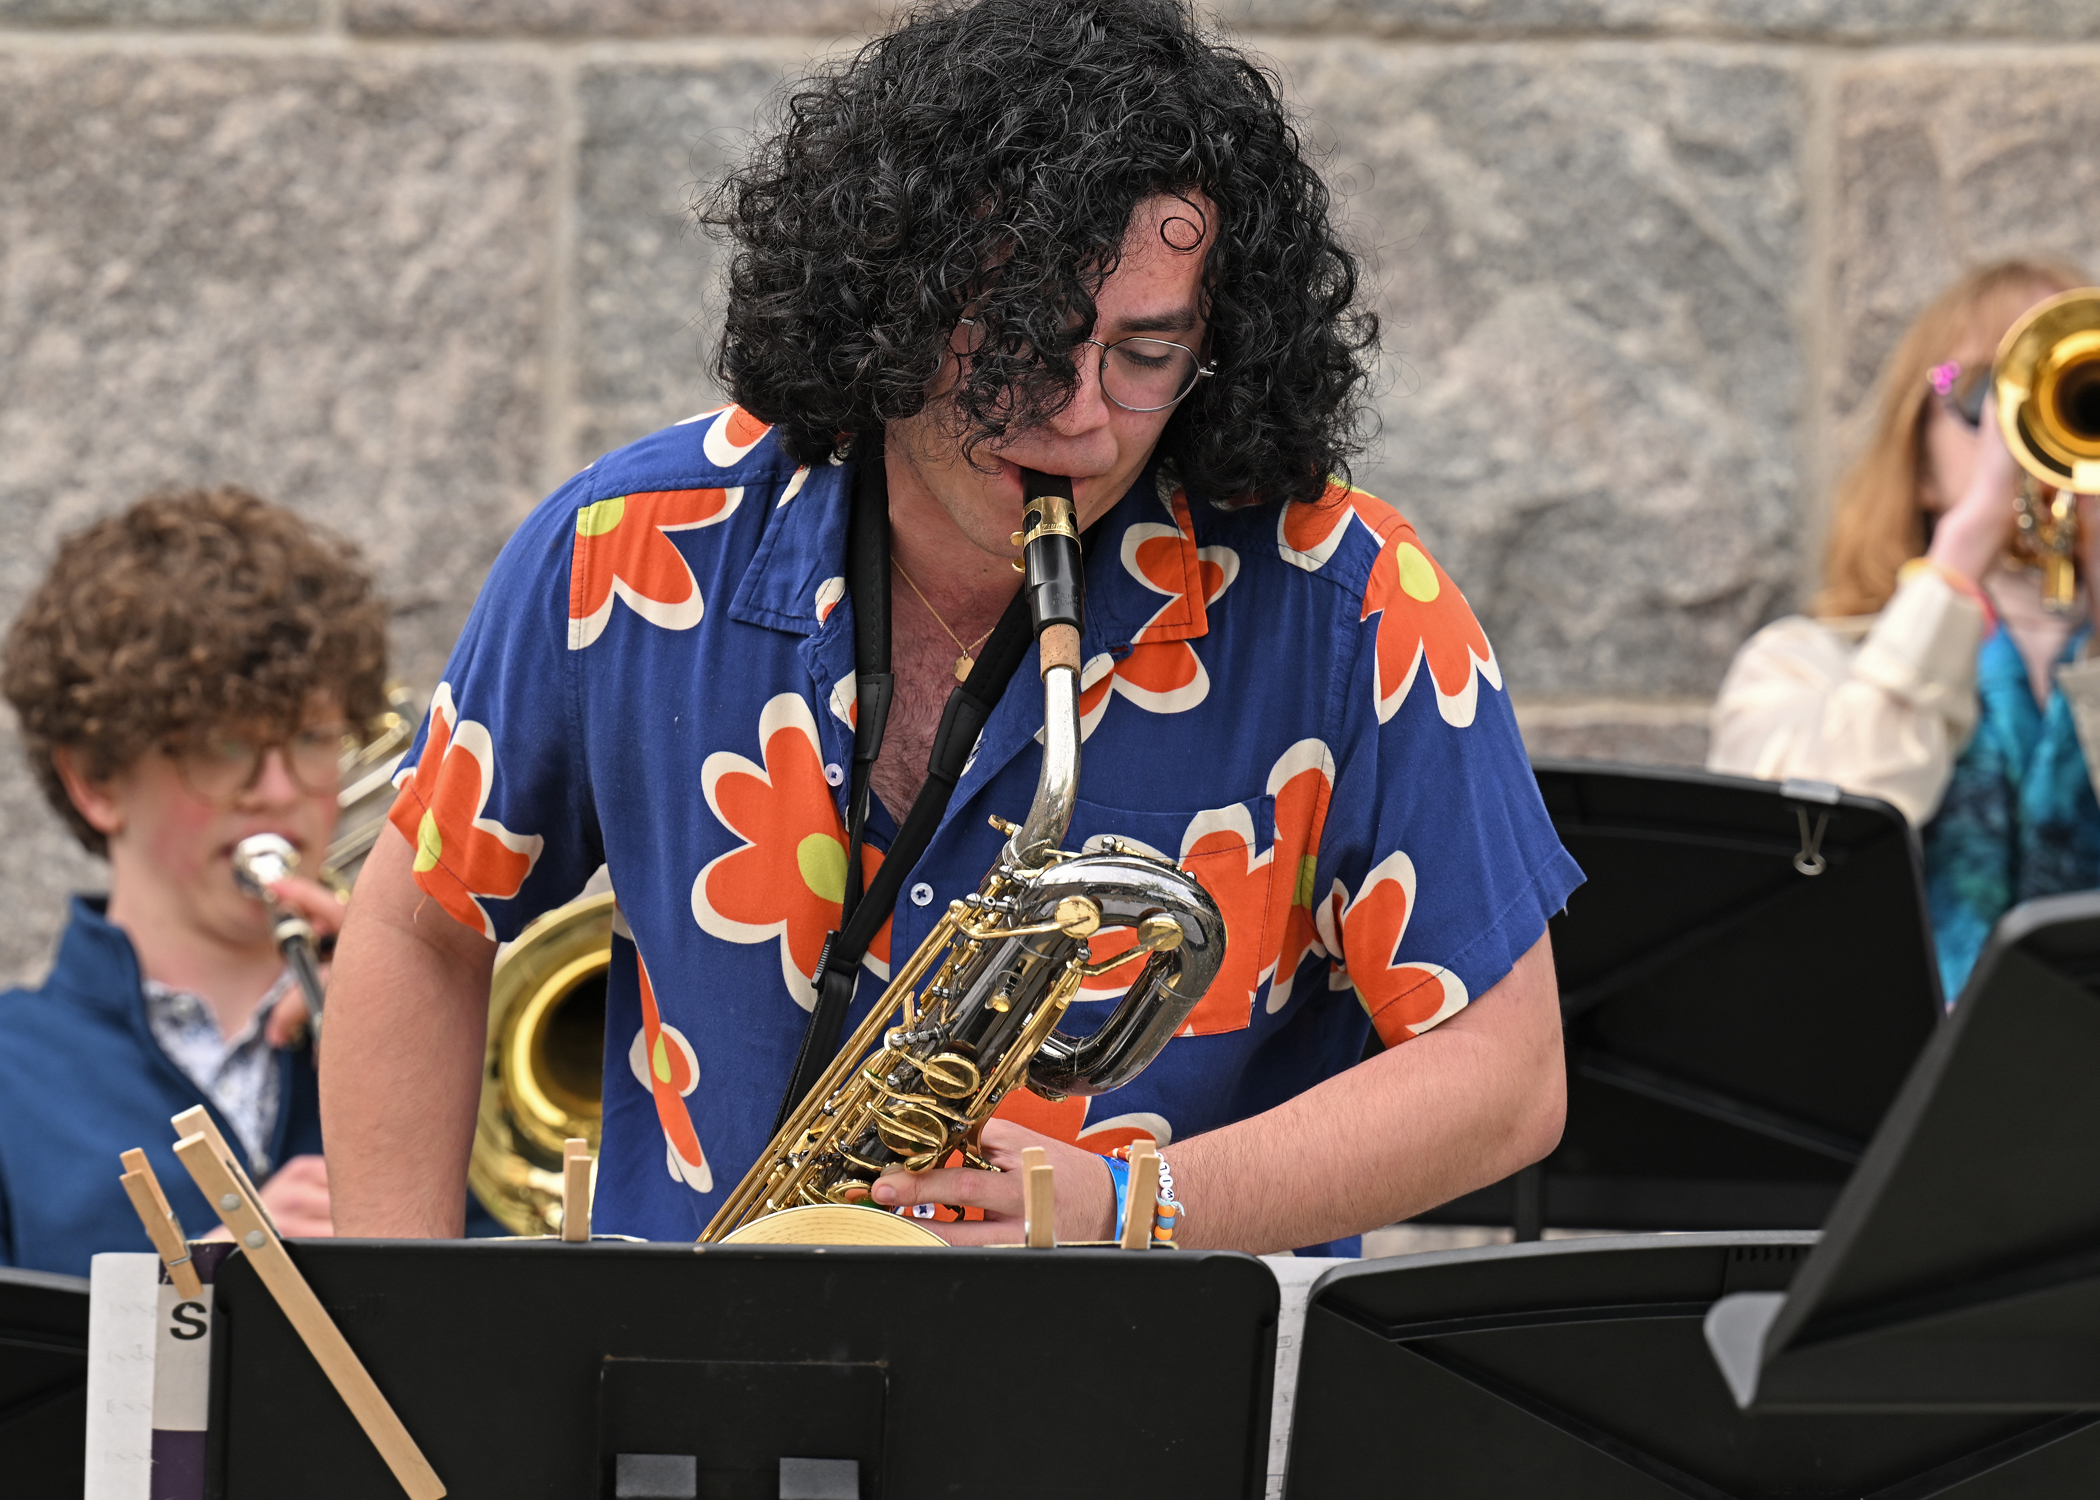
(1138, 373)
(222, 766)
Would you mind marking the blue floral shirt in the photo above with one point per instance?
(1297, 704)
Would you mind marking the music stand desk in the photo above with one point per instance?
(1961, 1268)
(527, 1368)
(1735, 1028)
(1576, 1369)
(43, 1384)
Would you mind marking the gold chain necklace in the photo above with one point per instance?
(968, 659)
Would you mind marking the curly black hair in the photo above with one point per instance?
(985, 160)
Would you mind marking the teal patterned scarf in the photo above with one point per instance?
(2019, 819)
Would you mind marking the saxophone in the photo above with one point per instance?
(918, 1078)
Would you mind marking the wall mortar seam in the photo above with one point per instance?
(560, 418)
(1819, 211)
(322, 40)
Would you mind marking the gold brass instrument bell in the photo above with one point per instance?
(2047, 379)
(542, 1080)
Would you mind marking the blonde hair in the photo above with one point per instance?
(1877, 523)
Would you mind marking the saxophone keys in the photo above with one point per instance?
(950, 1074)
(1080, 917)
(911, 1130)
(1159, 933)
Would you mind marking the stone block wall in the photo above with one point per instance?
(406, 264)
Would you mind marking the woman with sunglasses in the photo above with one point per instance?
(1929, 673)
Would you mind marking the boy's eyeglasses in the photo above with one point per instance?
(1961, 391)
(1139, 374)
(219, 767)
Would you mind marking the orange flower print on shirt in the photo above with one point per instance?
(1423, 618)
(461, 856)
(1066, 1120)
(624, 551)
(1218, 849)
(1265, 897)
(1403, 1000)
(1162, 674)
(731, 433)
(787, 880)
(663, 1062)
(1301, 782)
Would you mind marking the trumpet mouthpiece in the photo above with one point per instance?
(261, 860)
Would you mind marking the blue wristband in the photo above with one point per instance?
(1119, 1182)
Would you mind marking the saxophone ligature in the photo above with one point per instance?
(2047, 379)
(917, 1079)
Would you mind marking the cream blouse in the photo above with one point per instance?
(1884, 704)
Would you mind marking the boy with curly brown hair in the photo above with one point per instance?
(185, 676)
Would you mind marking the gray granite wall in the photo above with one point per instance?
(407, 263)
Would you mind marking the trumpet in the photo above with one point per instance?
(914, 1084)
(2047, 380)
(259, 862)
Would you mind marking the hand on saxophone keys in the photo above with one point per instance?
(1086, 1192)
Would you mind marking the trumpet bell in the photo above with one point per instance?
(2048, 387)
(542, 1081)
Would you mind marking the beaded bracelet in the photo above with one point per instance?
(1119, 1185)
(1166, 1211)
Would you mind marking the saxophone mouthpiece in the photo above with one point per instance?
(1055, 586)
(1053, 566)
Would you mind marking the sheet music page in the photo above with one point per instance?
(123, 1307)
(1295, 1275)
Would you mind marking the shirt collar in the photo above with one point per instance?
(1144, 571)
(165, 1003)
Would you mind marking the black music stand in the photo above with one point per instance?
(43, 1385)
(628, 1370)
(1961, 1269)
(1575, 1369)
(1735, 1028)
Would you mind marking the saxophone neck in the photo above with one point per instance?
(1056, 590)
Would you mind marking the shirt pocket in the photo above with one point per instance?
(1229, 851)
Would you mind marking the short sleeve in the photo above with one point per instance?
(1440, 866)
(494, 796)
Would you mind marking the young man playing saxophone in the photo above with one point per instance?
(1079, 238)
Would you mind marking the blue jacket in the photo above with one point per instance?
(83, 1080)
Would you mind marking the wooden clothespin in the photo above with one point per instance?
(197, 1120)
(1141, 1198)
(142, 1187)
(576, 1190)
(203, 1152)
(1038, 1199)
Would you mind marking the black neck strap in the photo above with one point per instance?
(868, 585)
(969, 706)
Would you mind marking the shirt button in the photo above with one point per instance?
(833, 776)
(922, 894)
